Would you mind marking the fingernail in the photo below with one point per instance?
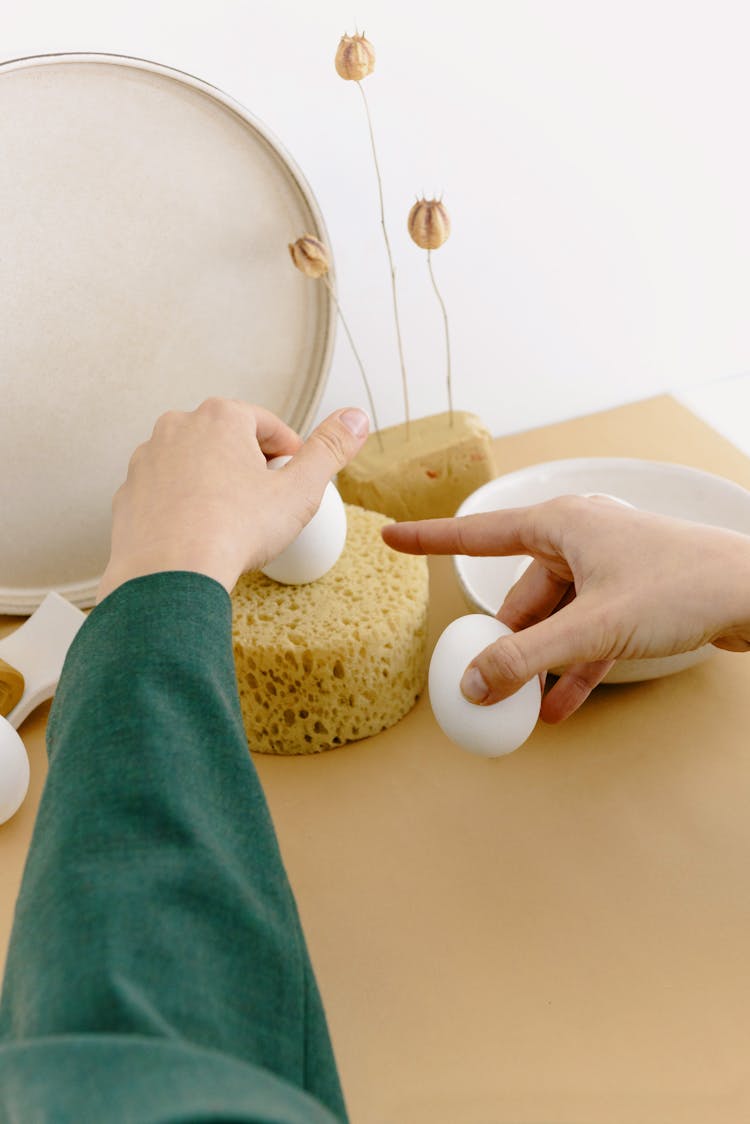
(473, 685)
(356, 421)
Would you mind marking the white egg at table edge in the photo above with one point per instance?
(14, 771)
(489, 731)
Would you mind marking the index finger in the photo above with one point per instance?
(492, 532)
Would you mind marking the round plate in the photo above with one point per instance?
(144, 267)
(667, 489)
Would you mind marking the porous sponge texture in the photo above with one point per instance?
(339, 659)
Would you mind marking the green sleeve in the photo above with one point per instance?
(157, 969)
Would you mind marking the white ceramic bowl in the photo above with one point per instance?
(668, 489)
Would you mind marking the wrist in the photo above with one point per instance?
(211, 562)
(733, 579)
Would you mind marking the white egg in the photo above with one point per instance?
(490, 731)
(317, 547)
(14, 771)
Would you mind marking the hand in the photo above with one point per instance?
(198, 495)
(607, 582)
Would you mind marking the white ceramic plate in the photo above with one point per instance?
(144, 267)
(668, 489)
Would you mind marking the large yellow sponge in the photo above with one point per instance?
(339, 659)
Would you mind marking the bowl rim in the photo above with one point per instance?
(637, 463)
(623, 671)
(468, 506)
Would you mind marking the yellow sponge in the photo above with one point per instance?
(338, 659)
(425, 476)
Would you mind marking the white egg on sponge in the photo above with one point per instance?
(490, 731)
(318, 546)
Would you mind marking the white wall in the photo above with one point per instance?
(593, 155)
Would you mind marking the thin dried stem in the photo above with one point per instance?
(334, 298)
(447, 336)
(390, 260)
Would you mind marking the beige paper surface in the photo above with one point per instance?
(560, 935)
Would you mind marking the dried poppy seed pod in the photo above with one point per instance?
(355, 58)
(310, 256)
(429, 224)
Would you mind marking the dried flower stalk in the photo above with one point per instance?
(355, 59)
(429, 225)
(311, 257)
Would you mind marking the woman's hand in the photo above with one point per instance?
(607, 582)
(198, 495)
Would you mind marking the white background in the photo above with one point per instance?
(594, 158)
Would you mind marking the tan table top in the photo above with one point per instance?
(560, 935)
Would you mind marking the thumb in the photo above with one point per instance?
(503, 667)
(328, 449)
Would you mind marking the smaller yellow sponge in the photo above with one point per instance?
(425, 476)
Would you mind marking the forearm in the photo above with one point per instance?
(154, 900)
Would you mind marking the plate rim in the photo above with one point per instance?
(678, 467)
(20, 601)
